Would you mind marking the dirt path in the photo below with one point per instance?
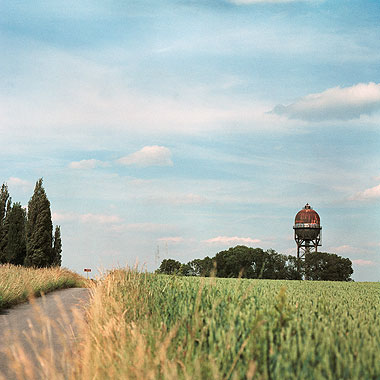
(35, 337)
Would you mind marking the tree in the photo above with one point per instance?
(294, 268)
(39, 229)
(57, 247)
(169, 266)
(325, 266)
(202, 267)
(5, 204)
(16, 244)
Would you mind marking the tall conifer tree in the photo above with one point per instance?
(39, 230)
(57, 247)
(5, 206)
(16, 244)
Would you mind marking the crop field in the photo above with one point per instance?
(148, 326)
(18, 283)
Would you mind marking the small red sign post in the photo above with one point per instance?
(87, 270)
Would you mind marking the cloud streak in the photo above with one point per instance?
(171, 239)
(232, 240)
(372, 193)
(18, 182)
(362, 262)
(334, 104)
(86, 218)
(148, 156)
(86, 164)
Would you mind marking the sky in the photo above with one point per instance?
(180, 128)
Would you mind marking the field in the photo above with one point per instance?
(17, 283)
(144, 326)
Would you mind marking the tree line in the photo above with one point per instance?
(246, 262)
(26, 236)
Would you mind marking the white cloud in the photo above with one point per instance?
(141, 227)
(18, 182)
(100, 218)
(232, 240)
(171, 239)
(368, 194)
(334, 104)
(342, 249)
(86, 218)
(148, 156)
(64, 217)
(362, 262)
(85, 164)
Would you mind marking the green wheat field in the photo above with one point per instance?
(167, 327)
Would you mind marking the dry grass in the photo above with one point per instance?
(18, 283)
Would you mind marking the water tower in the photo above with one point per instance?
(307, 231)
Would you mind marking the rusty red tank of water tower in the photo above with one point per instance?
(307, 231)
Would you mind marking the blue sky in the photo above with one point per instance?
(194, 126)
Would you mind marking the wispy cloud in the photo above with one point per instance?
(362, 262)
(171, 239)
(232, 240)
(86, 218)
(342, 249)
(148, 156)
(334, 104)
(86, 164)
(141, 227)
(372, 193)
(18, 182)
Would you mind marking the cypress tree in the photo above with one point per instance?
(39, 229)
(16, 244)
(57, 247)
(5, 206)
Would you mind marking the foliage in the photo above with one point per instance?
(39, 252)
(5, 205)
(327, 266)
(18, 283)
(245, 262)
(57, 247)
(169, 266)
(202, 267)
(16, 244)
(26, 239)
(149, 326)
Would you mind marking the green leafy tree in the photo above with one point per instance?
(57, 247)
(294, 268)
(186, 270)
(39, 229)
(202, 267)
(16, 243)
(5, 207)
(323, 266)
(169, 266)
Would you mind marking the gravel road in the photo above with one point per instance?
(35, 337)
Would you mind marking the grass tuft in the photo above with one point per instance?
(18, 283)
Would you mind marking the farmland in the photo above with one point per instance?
(168, 327)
